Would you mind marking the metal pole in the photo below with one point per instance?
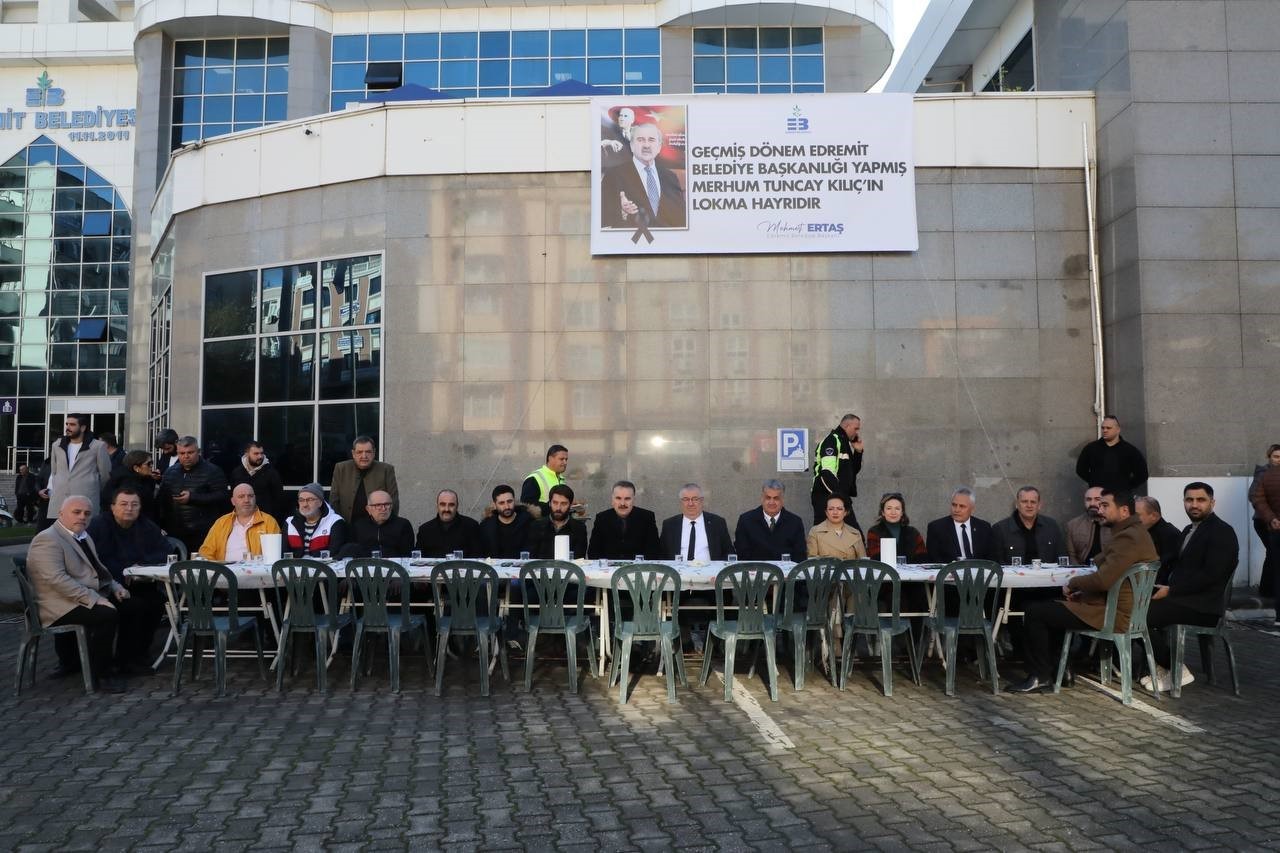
(1095, 287)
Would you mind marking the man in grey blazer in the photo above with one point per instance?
(360, 476)
(80, 464)
(73, 587)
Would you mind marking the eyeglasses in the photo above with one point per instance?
(378, 506)
(691, 500)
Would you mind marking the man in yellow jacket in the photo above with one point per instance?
(238, 534)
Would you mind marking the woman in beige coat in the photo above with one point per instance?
(834, 538)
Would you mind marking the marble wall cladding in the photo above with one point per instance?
(970, 360)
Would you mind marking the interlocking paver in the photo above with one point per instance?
(534, 771)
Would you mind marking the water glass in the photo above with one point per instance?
(325, 555)
(376, 554)
(415, 555)
(731, 558)
(1063, 562)
(571, 556)
(678, 558)
(172, 558)
(1017, 561)
(457, 555)
(786, 558)
(524, 555)
(639, 558)
(1035, 564)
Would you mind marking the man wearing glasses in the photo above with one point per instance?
(694, 534)
(380, 530)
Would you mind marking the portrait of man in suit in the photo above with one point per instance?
(640, 192)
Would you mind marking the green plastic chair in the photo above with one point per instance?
(372, 581)
(865, 579)
(645, 584)
(197, 581)
(302, 581)
(821, 578)
(550, 580)
(1141, 578)
(1177, 644)
(974, 581)
(750, 583)
(32, 631)
(458, 588)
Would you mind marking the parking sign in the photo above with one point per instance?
(793, 449)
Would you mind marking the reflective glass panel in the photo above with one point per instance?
(604, 72)
(530, 43)
(285, 368)
(290, 432)
(350, 363)
(230, 301)
(643, 41)
(228, 372)
(349, 49)
(386, 47)
(422, 46)
(339, 425)
(495, 45)
(289, 298)
(423, 74)
(604, 42)
(568, 42)
(224, 433)
(458, 45)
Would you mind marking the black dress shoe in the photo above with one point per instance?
(61, 671)
(1031, 684)
(112, 684)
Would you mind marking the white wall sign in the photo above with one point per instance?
(754, 173)
(793, 449)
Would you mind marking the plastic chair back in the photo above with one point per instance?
(177, 546)
(645, 583)
(301, 579)
(30, 608)
(550, 580)
(1141, 578)
(373, 580)
(864, 580)
(198, 580)
(820, 575)
(973, 581)
(750, 583)
(464, 585)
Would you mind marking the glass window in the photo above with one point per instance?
(422, 46)
(219, 52)
(568, 69)
(339, 424)
(251, 51)
(604, 72)
(228, 372)
(386, 47)
(765, 59)
(278, 78)
(226, 431)
(457, 74)
(285, 368)
(289, 298)
(643, 70)
(458, 45)
(643, 41)
(278, 51)
(348, 76)
(350, 364)
(530, 43)
(604, 42)
(529, 72)
(230, 302)
(249, 108)
(208, 73)
(495, 45)
(349, 49)
(568, 42)
(289, 433)
(423, 74)
(495, 72)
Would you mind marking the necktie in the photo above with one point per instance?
(622, 525)
(88, 555)
(965, 548)
(1186, 537)
(651, 187)
(773, 522)
(693, 539)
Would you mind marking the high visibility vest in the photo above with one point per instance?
(546, 478)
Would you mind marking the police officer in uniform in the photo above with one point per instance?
(836, 463)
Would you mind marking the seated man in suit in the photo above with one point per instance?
(1084, 601)
(449, 531)
(1168, 538)
(769, 531)
(559, 522)
(1086, 534)
(960, 536)
(124, 537)
(694, 534)
(624, 531)
(73, 587)
(1192, 588)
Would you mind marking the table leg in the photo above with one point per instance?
(605, 632)
(173, 608)
(1002, 615)
(269, 612)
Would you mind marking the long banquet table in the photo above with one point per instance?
(694, 576)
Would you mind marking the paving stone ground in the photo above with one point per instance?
(547, 770)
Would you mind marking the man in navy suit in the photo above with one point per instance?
(694, 534)
(1192, 588)
(769, 531)
(625, 530)
(960, 536)
(640, 193)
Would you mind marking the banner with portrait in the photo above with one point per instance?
(753, 174)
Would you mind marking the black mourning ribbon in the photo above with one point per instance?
(642, 226)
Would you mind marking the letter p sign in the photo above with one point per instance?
(793, 449)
